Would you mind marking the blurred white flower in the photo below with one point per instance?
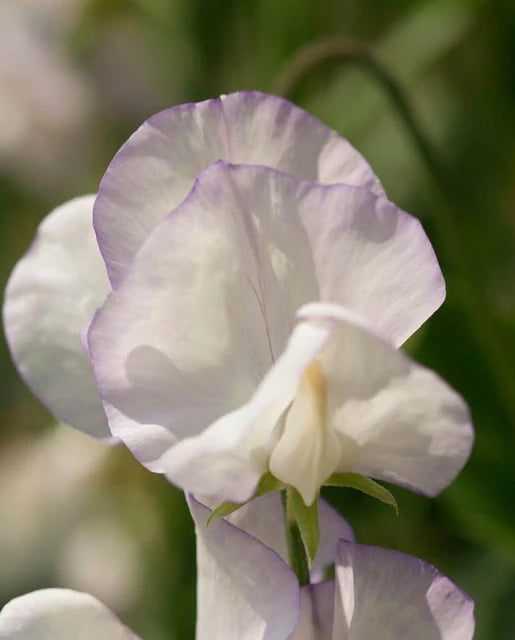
(60, 614)
(44, 484)
(60, 523)
(45, 103)
(101, 556)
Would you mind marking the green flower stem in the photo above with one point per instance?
(488, 333)
(296, 550)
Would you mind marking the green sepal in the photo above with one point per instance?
(307, 521)
(266, 484)
(364, 484)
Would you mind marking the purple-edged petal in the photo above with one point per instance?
(386, 594)
(207, 306)
(373, 258)
(156, 168)
(60, 614)
(316, 612)
(397, 421)
(201, 314)
(49, 302)
(245, 590)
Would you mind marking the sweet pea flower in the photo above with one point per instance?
(247, 591)
(376, 593)
(193, 353)
(198, 373)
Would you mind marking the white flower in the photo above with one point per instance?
(60, 614)
(192, 351)
(46, 103)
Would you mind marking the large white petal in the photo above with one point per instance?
(49, 302)
(207, 306)
(156, 167)
(60, 614)
(245, 590)
(389, 595)
(397, 421)
(372, 258)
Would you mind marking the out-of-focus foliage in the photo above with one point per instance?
(76, 78)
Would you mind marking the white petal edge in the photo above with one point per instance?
(245, 590)
(60, 614)
(382, 593)
(49, 302)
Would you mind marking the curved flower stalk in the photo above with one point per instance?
(377, 593)
(201, 368)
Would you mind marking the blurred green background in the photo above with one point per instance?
(77, 77)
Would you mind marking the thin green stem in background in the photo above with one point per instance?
(488, 333)
(296, 550)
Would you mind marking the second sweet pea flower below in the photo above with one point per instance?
(247, 592)
(197, 372)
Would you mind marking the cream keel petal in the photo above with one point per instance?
(389, 595)
(49, 302)
(60, 614)
(308, 450)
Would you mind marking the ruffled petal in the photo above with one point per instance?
(373, 258)
(60, 614)
(49, 302)
(245, 590)
(386, 594)
(205, 310)
(397, 421)
(155, 169)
